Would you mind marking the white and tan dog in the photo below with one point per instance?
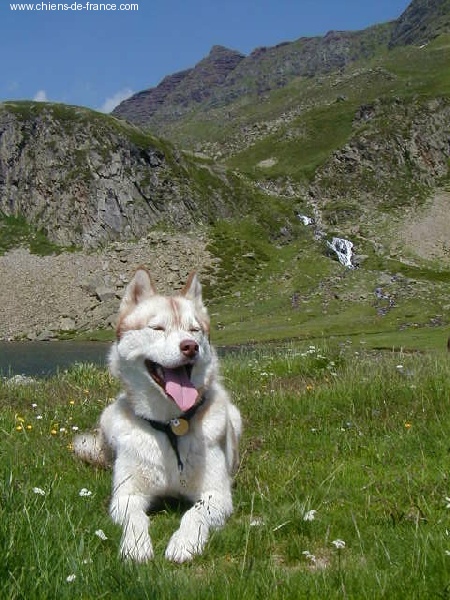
(173, 431)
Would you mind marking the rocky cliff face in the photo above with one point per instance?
(271, 68)
(398, 153)
(422, 21)
(86, 179)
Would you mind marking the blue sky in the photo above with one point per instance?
(95, 58)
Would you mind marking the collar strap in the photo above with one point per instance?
(174, 428)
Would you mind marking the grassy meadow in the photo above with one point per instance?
(342, 491)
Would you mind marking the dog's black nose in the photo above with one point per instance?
(189, 348)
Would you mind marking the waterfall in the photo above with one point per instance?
(343, 249)
(305, 220)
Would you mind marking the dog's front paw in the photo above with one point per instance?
(137, 550)
(181, 549)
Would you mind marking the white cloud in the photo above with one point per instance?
(41, 96)
(111, 102)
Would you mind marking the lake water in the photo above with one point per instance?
(46, 358)
(39, 359)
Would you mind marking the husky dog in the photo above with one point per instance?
(173, 431)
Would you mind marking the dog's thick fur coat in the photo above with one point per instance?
(169, 373)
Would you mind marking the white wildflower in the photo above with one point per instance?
(257, 522)
(38, 490)
(85, 492)
(307, 554)
(310, 515)
(71, 578)
(339, 544)
(101, 534)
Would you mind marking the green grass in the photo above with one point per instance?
(322, 130)
(266, 288)
(15, 231)
(360, 438)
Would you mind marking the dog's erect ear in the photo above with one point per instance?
(193, 291)
(140, 288)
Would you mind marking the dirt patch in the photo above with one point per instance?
(41, 296)
(427, 234)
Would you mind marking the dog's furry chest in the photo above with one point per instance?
(160, 467)
(148, 454)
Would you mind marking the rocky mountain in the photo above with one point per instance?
(86, 179)
(279, 119)
(225, 76)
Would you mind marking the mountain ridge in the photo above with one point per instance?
(266, 69)
(263, 70)
(195, 84)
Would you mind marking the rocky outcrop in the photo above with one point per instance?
(422, 21)
(397, 155)
(274, 67)
(86, 179)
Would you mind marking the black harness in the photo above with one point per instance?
(170, 428)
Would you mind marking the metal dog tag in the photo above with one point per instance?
(179, 426)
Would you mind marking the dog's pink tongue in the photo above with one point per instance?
(180, 388)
